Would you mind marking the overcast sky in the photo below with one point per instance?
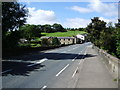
(71, 14)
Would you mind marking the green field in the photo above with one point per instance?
(63, 34)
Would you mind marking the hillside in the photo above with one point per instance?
(63, 34)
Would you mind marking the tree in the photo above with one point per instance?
(12, 39)
(105, 37)
(47, 28)
(55, 41)
(41, 27)
(30, 31)
(118, 38)
(94, 29)
(13, 16)
(58, 28)
(45, 42)
(108, 39)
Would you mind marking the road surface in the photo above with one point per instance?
(74, 66)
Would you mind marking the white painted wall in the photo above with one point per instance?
(82, 37)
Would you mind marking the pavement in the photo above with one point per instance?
(74, 66)
(94, 73)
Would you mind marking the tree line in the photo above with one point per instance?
(105, 36)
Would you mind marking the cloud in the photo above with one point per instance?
(81, 9)
(76, 22)
(109, 20)
(107, 9)
(41, 17)
(81, 22)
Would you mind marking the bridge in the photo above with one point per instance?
(73, 66)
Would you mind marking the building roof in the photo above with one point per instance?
(59, 37)
(65, 37)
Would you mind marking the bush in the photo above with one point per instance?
(45, 42)
(55, 41)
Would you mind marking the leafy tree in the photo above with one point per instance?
(30, 31)
(118, 38)
(45, 42)
(55, 41)
(58, 28)
(13, 16)
(108, 39)
(47, 28)
(81, 29)
(12, 39)
(41, 27)
(94, 29)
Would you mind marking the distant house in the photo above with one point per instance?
(67, 40)
(63, 40)
(81, 38)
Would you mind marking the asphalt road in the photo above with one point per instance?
(57, 68)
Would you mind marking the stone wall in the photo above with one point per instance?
(111, 62)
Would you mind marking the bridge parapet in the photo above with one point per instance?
(111, 62)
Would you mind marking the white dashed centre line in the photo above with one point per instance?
(80, 61)
(62, 70)
(43, 87)
(74, 58)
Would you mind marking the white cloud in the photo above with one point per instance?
(41, 17)
(76, 22)
(107, 9)
(81, 9)
(48, 17)
(109, 20)
(81, 22)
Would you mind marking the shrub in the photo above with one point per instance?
(55, 41)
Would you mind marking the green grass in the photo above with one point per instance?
(30, 45)
(37, 39)
(63, 34)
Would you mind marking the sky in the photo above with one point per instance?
(71, 14)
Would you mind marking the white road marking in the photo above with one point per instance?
(74, 58)
(7, 70)
(62, 70)
(78, 55)
(75, 47)
(81, 51)
(85, 53)
(43, 87)
(44, 59)
(80, 61)
(63, 51)
(74, 72)
(70, 50)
